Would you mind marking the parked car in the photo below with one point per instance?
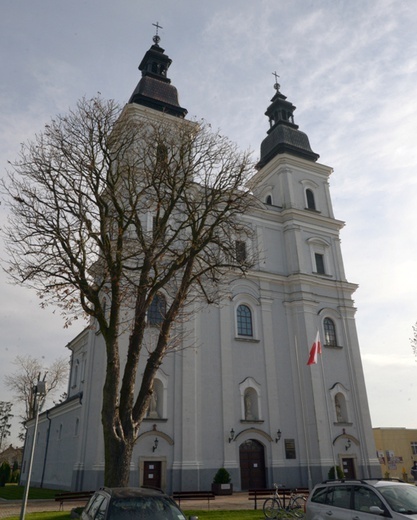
(131, 504)
(362, 500)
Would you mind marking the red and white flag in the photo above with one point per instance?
(315, 351)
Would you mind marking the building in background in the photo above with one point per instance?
(244, 397)
(12, 456)
(396, 451)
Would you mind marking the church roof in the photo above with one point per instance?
(283, 134)
(154, 89)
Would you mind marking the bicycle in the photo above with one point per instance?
(273, 507)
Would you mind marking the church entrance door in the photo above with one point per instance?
(349, 467)
(252, 465)
(152, 474)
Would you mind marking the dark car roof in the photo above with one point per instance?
(129, 492)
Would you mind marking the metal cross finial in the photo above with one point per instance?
(157, 38)
(277, 85)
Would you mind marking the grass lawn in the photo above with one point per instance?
(15, 492)
(44, 516)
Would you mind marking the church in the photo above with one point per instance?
(244, 397)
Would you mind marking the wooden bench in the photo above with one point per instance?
(193, 495)
(283, 493)
(80, 496)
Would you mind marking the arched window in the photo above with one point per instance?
(244, 321)
(311, 203)
(329, 332)
(268, 200)
(157, 310)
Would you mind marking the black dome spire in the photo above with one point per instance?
(283, 134)
(154, 90)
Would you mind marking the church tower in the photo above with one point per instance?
(324, 406)
(154, 90)
(242, 396)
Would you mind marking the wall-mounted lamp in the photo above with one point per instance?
(231, 435)
(348, 444)
(155, 444)
(278, 437)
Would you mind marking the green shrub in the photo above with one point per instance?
(222, 477)
(5, 472)
(339, 472)
(15, 477)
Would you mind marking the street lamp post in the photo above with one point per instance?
(39, 391)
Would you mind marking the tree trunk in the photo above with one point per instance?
(117, 457)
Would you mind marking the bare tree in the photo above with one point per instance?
(5, 424)
(23, 381)
(110, 209)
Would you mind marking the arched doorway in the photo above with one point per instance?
(252, 465)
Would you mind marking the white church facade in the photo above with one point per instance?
(242, 397)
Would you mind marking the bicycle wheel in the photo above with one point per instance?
(271, 508)
(297, 505)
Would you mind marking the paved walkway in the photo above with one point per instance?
(227, 502)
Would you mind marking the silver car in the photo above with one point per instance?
(362, 500)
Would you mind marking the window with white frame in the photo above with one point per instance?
(330, 339)
(319, 250)
(310, 199)
(244, 321)
(157, 310)
(319, 259)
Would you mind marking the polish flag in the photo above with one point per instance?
(315, 351)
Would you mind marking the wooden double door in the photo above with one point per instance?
(252, 465)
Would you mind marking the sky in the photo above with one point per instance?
(350, 68)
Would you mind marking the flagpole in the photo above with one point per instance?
(302, 395)
(328, 414)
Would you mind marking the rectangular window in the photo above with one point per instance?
(240, 247)
(319, 263)
(289, 448)
(414, 447)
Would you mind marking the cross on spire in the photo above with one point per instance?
(277, 85)
(157, 38)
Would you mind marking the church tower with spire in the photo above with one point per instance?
(244, 397)
(154, 90)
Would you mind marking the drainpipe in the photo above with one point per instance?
(46, 447)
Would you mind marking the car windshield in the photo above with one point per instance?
(401, 498)
(144, 508)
